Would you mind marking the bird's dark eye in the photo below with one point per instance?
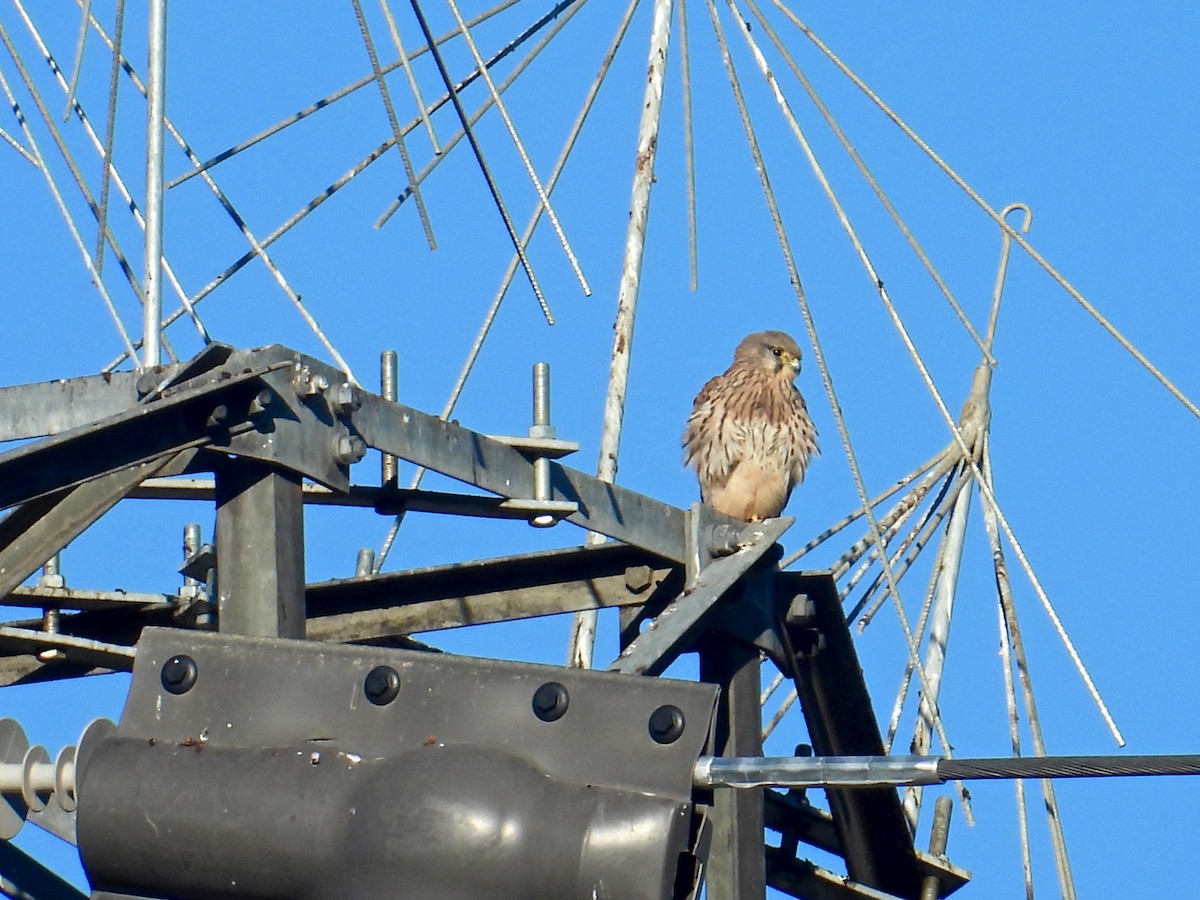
(776, 351)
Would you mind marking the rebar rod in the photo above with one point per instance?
(514, 263)
(18, 146)
(493, 188)
(996, 217)
(110, 128)
(155, 136)
(393, 122)
(571, 6)
(583, 633)
(76, 68)
(853, 517)
(689, 155)
(950, 564)
(927, 378)
(1008, 607)
(126, 195)
(238, 221)
(1014, 727)
(326, 101)
(520, 147)
(378, 152)
(406, 63)
(868, 176)
(914, 543)
(58, 199)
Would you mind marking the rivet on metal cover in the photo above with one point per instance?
(179, 674)
(382, 685)
(550, 701)
(666, 724)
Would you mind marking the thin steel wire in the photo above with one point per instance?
(902, 330)
(583, 628)
(787, 704)
(493, 188)
(326, 101)
(689, 155)
(229, 208)
(393, 122)
(771, 689)
(869, 177)
(394, 31)
(40, 162)
(548, 17)
(996, 217)
(18, 146)
(110, 126)
(1009, 611)
(482, 69)
(1014, 726)
(126, 196)
(378, 152)
(80, 43)
(906, 679)
(914, 544)
(802, 298)
(900, 512)
(514, 263)
(853, 517)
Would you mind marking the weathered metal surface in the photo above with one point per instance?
(474, 593)
(681, 621)
(736, 868)
(41, 528)
(399, 784)
(874, 836)
(455, 451)
(260, 551)
(50, 407)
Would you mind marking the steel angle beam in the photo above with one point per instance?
(672, 631)
(874, 836)
(85, 643)
(493, 465)
(50, 407)
(516, 587)
(39, 597)
(23, 876)
(35, 531)
(137, 435)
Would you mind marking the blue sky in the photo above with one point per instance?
(1087, 115)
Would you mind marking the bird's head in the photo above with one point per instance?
(772, 351)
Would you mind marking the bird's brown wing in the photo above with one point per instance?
(712, 440)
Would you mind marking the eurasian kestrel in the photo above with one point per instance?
(749, 436)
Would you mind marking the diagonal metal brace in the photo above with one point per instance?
(170, 425)
(40, 528)
(669, 634)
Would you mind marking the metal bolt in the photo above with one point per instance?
(666, 724)
(365, 564)
(345, 398)
(348, 449)
(382, 685)
(542, 429)
(389, 379)
(638, 578)
(801, 611)
(218, 416)
(550, 701)
(260, 403)
(179, 674)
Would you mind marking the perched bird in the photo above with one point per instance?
(749, 436)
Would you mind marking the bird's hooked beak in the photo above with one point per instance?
(794, 363)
